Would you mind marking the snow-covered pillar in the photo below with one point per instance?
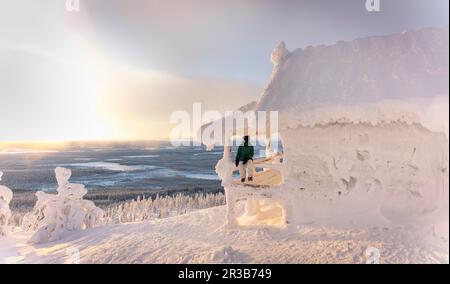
(227, 153)
(224, 169)
(231, 207)
(227, 179)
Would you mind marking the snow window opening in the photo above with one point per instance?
(267, 162)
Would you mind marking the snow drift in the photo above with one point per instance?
(54, 215)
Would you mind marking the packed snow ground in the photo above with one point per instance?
(201, 237)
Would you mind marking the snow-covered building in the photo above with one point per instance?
(364, 130)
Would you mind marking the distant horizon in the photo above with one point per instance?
(6, 146)
(2, 143)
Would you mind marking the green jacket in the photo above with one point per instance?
(245, 152)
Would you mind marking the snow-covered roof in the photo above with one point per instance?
(395, 78)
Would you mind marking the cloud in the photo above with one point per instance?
(139, 103)
(42, 98)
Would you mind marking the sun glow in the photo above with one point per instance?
(83, 90)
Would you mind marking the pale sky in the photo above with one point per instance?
(117, 69)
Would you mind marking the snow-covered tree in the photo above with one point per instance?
(143, 209)
(54, 215)
(5, 213)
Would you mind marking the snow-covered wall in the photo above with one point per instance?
(360, 174)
